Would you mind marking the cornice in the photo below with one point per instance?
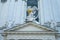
(15, 32)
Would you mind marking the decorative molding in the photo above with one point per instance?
(30, 23)
(23, 32)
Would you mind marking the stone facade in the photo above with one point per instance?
(15, 13)
(30, 31)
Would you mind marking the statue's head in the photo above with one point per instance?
(29, 10)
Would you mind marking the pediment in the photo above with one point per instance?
(30, 27)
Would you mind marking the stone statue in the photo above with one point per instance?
(31, 11)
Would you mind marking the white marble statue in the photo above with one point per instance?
(31, 11)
